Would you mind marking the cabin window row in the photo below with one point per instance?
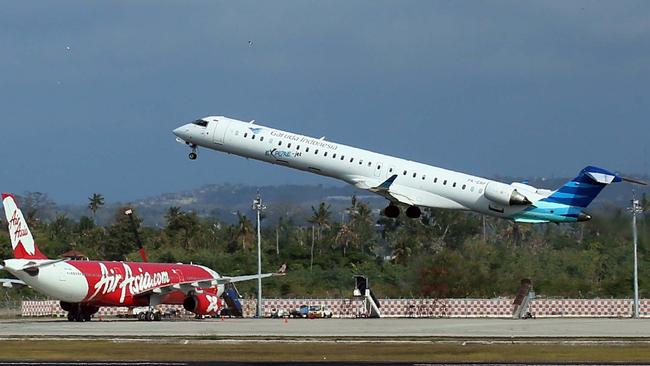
(342, 157)
(435, 180)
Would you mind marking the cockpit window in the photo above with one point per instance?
(201, 123)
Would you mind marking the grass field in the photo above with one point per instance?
(205, 350)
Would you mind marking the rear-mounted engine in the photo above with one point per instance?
(505, 195)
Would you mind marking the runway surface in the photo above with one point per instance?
(332, 328)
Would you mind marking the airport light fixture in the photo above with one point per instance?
(636, 209)
(259, 207)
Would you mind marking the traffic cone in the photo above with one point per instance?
(223, 318)
(286, 320)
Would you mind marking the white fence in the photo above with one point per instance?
(404, 308)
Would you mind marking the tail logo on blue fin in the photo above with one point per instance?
(580, 191)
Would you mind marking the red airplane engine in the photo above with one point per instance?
(202, 304)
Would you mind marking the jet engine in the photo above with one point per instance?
(202, 304)
(505, 194)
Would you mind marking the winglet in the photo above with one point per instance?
(386, 184)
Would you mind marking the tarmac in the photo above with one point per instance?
(381, 329)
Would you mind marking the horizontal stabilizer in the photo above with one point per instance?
(9, 282)
(630, 180)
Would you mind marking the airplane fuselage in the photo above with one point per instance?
(108, 283)
(413, 183)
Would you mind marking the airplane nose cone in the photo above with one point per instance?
(182, 132)
(583, 217)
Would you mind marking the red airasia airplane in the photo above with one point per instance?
(83, 286)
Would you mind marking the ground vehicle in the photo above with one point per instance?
(145, 313)
(279, 313)
(319, 311)
(300, 312)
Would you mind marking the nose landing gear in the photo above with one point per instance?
(193, 155)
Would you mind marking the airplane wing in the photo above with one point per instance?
(395, 192)
(224, 280)
(206, 283)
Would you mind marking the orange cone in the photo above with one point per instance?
(223, 318)
(286, 320)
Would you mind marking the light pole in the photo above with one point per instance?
(636, 209)
(258, 207)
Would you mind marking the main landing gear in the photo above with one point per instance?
(413, 212)
(392, 211)
(79, 312)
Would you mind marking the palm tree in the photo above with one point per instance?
(344, 236)
(244, 229)
(320, 218)
(361, 222)
(96, 201)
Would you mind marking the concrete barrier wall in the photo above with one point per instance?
(404, 308)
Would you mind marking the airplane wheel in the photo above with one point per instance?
(157, 317)
(142, 316)
(151, 316)
(71, 316)
(87, 317)
(413, 212)
(391, 211)
(193, 156)
(79, 317)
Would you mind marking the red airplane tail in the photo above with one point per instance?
(22, 240)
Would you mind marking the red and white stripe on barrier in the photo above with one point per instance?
(613, 308)
(53, 308)
(401, 308)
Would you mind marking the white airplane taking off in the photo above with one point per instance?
(401, 181)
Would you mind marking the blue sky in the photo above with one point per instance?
(519, 88)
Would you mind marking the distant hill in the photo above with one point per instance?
(222, 201)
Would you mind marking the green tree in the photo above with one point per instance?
(96, 201)
(244, 232)
(320, 218)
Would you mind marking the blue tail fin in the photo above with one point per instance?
(580, 191)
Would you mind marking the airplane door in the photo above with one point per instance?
(219, 129)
